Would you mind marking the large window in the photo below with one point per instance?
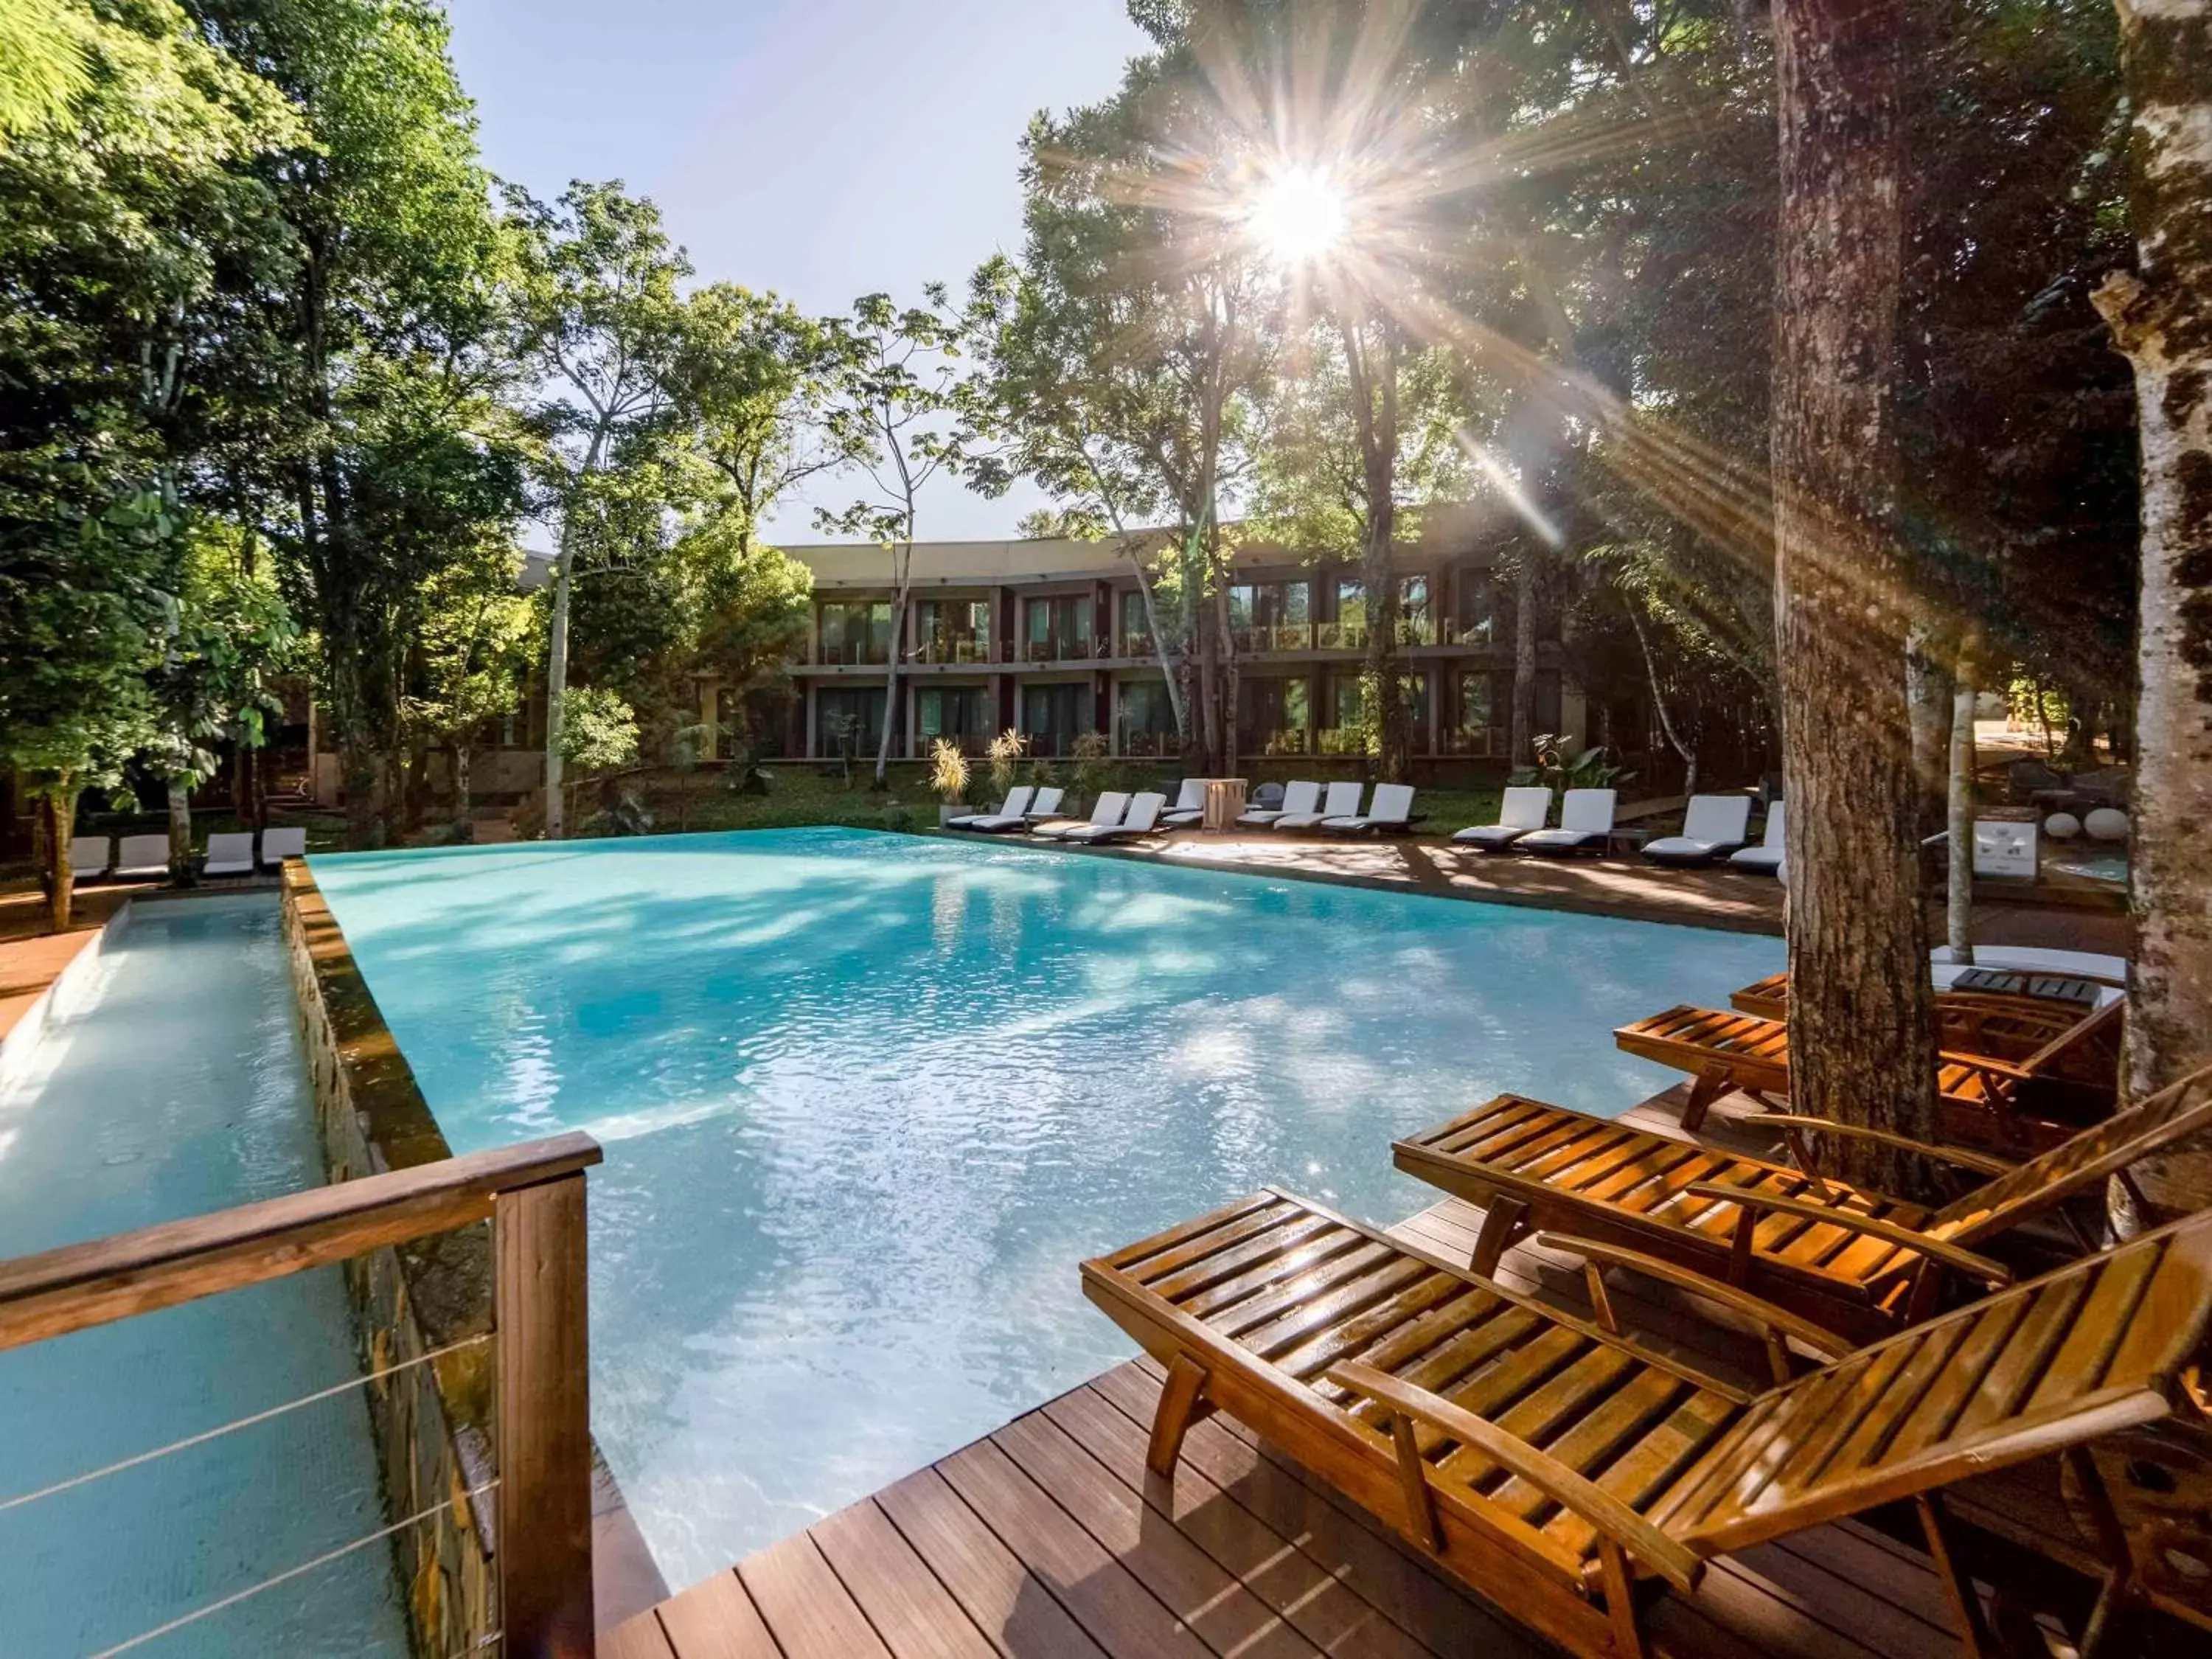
(1271, 616)
(848, 721)
(1053, 716)
(1136, 628)
(1059, 629)
(1146, 716)
(1348, 732)
(952, 631)
(1416, 626)
(958, 714)
(1475, 728)
(1275, 717)
(856, 631)
(1349, 631)
(1477, 621)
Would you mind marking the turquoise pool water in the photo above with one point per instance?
(868, 1099)
(172, 1087)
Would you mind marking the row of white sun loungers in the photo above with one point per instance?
(1715, 827)
(1122, 816)
(146, 858)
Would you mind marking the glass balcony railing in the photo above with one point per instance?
(1341, 740)
(1476, 741)
(851, 652)
(1339, 636)
(1416, 631)
(1147, 745)
(954, 647)
(1063, 650)
(1135, 644)
(1283, 636)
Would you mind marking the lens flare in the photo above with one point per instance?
(1297, 216)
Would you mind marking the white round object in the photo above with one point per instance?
(2106, 824)
(2062, 826)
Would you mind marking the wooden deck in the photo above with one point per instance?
(1049, 1538)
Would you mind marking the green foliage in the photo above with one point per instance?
(233, 636)
(599, 731)
(1557, 769)
(627, 814)
(1005, 752)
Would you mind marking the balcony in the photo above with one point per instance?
(1135, 643)
(954, 649)
(1476, 741)
(1295, 741)
(1339, 636)
(1082, 651)
(853, 653)
(1283, 636)
(1341, 740)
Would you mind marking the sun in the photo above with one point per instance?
(1297, 216)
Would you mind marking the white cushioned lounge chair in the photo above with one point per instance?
(230, 855)
(1342, 801)
(1391, 812)
(1525, 808)
(1144, 819)
(1189, 807)
(1108, 811)
(277, 845)
(88, 857)
(1766, 859)
(1045, 805)
(1298, 798)
(1585, 825)
(140, 857)
(1016, 802)
(1714, 825)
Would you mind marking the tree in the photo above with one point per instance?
(479, 638)
(2161, 315)
(1863, 1038)
(896, 414)
(604, 321)
(1052, 390)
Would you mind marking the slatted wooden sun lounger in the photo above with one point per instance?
(2056, 1002)
(2018, 1106)
(1570, 1474)
(1854, 1260)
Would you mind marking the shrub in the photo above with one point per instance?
(948, 772)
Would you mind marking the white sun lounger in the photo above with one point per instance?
(1046, 804)
(1144, 819)
(1524, 809)
(1108, 811)
(229, 855)
(88, 857)
(1298, 798)
(277, 845)
(1766, 859)
(1012, 814)
(1342, 801)
(1391, 811)
(1189, 807)
(1585, 823)
(1715, 824)
(139, 857)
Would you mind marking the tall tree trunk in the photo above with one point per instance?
(1659, 703)
(2162, 317)
(1209, 689)
(1522, 737)
(180, 832)
(1958, 891)
(891, 669)
(57, 815)
(1378, 577)
(1161, 648)
(1928, 688)
(556, 689)
(1861, 1017)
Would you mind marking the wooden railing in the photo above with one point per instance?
(533, 1196)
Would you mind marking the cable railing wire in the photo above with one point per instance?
(223, 1603)
(233, 1427)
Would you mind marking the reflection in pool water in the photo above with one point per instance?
(868, 1099)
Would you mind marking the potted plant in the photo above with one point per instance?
(948, 775)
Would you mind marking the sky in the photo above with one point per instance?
(820, 148)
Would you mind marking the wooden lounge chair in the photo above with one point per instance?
(2053, 1003)
(1560, 1468)
(1854, 1260)
(2021, 1106)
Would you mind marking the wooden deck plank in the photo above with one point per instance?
(637, 1637)
(913, 1612)
(1313, 1601)
(716, 1619)
(1349, 1546)
(1118, 1612)
(1226, 1615)
(808, 1611)
(1015, 1612)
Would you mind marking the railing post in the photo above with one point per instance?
(544, 1543)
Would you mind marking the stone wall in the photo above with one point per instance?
(434, 1423)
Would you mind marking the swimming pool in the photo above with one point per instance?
(868, 1099)
(172, 1087)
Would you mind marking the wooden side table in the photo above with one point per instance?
(1225, 805)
